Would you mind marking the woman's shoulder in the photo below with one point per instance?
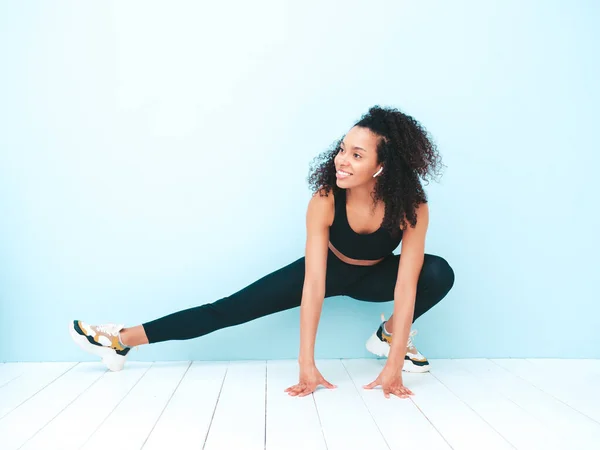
(323, 204)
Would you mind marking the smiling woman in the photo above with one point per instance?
(374, 173)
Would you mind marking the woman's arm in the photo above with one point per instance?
(318, 217)
(412, 256)
(411, 261)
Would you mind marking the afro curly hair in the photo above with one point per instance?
(408, 153)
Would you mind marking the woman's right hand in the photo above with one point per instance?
(310, 378)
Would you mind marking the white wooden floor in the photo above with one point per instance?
(461, 404)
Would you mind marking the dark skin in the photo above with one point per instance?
(359, 158)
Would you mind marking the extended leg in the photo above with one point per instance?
(277, 291)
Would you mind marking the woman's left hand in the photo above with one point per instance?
(390, 381)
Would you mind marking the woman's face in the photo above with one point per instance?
(358, 157)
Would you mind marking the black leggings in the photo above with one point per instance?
(282, 289)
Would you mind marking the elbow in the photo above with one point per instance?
(313, 287)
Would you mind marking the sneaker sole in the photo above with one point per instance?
(382, 349)
(110, 358)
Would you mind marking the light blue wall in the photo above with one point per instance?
(154, 155)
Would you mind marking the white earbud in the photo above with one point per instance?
(378, 172)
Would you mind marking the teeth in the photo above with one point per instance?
(343, 173)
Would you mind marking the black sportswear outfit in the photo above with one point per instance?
(282, 289)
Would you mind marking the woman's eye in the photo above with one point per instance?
(356, 154)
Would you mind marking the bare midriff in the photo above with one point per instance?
(356, 262)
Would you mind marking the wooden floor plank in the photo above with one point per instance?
(461, 404)
(581, 366)
(577, 429)
(292, 422)
(239, 419)
(346, 421)
(134, 417)
(401, 422)
(450, 415)
(185, 421)
(578, 389)
(31, 416)
(76, 423)
(11, 371)
(34, 379)
(519, 427)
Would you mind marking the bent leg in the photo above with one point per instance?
(435, 281)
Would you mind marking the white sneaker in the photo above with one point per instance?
(380, 342)
(101, 340)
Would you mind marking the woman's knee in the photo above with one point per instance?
(439, 272)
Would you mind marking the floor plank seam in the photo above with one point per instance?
(61, 411)
(545, 392)
(38, 391)
(116, 406)
(320, 423)
(469, 406)
(10, 381)
(504, 395)
(166, 404)
(429, 420)
(216, 404)
(366, 406)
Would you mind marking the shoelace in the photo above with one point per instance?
(109, 328)
(410, 335)
(112, 329)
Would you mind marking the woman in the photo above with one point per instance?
(378, 201)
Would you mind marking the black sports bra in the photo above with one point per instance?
(371, 246)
